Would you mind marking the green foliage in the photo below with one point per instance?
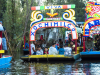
(2, 8)
(14, 20)
(79, 10)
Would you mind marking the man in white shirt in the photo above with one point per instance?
(39, 51)
(33, 51)
(53, 50)
(68, 50)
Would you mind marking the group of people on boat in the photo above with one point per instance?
(97, 43)
(91, 44)
(39, 47)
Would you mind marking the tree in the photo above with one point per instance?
(2, 8)
(16, 20)
(79, 10)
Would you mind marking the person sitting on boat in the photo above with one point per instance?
(39, 51)
(43, 44)
(60, 42)
(97, 46)
(26, 45)
(53, 50)
(57, 45)
(68, 50)
(72, 45)
(61, 50)
(46, 50)
(89, 44)
(33, 50)
(4, 40)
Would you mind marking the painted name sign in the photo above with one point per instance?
(53, 7)
(50, 24)
(89, 24)
(53, 18)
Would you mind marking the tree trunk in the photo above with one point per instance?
(27, 19)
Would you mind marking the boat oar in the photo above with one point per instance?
(9, 47)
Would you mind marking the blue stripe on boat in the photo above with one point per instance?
(90, 53)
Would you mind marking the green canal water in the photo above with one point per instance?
(19, 67)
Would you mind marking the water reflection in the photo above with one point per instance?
(19, 67)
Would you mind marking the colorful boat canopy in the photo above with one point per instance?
(92, 10)
(53, 7)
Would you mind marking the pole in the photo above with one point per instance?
(75, 46)
(81, 40)
(84, 44)
(9, 46)
(30, 47)
(1, 43)
(24, 42)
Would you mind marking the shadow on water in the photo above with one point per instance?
(19, 67)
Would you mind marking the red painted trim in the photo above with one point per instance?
(81, 39)
(33, 8)
(24, 42)
(52, 27)
(1, 44)
(29, 46)
(75, 46)
(84, 44)
(65, 6)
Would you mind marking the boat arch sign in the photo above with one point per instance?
(92, 22)
(51, 24)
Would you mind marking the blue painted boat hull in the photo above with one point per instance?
(92, 55)
(77, 56)
(5, 60)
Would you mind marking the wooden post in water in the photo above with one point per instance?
(75, 46)
(1, 43)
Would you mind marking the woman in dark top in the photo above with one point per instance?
(46, 50)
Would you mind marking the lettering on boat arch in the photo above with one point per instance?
(92, 22)
(51, 24)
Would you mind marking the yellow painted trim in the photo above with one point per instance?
(2, 51)
(48, 56)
